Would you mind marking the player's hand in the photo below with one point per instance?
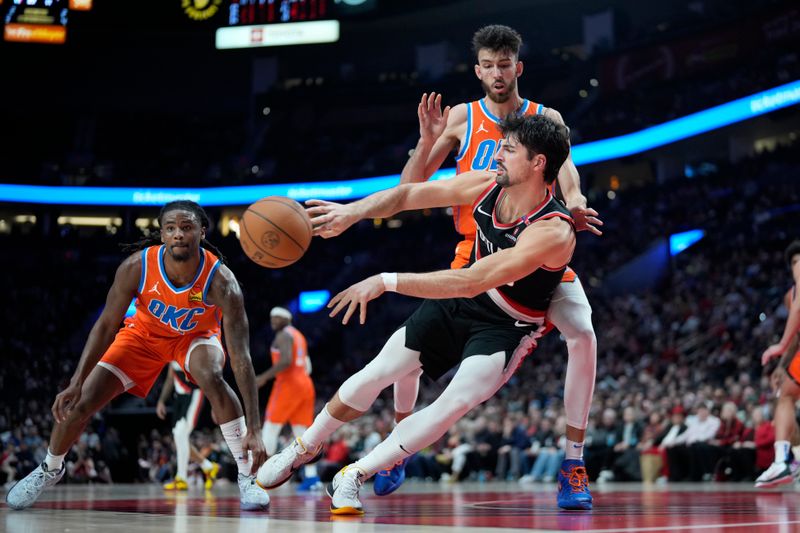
(586, 219)
(252, 442)
(329, 219)
(66, 400)
(432, 120)
(261, 380)
(357, 296)
(161, 410)
(770, 353)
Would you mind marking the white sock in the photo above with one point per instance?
(384, 456)
(781, 451)
(234, 431)
(54, 462)
(574, 450)
(181, 433)
(206, 464)
(322, 428)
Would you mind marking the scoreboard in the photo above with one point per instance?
(247, 12)
(254, 23)
(40, 21)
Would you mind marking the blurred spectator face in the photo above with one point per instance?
(702, 413)
(728, 411)
(757, 415)
(629, 415)
(655, 418)
(609, 417)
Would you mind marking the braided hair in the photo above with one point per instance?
(153, 237)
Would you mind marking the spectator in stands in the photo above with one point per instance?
(689, 458)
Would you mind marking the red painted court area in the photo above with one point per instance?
(512, 508)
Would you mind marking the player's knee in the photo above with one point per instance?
(461, 404)
(790, 390)
(210, 380)
(583, 338)
(83, 410)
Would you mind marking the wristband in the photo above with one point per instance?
(389, 281)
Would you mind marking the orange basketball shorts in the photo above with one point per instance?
(292, 402)
(794, 368)
(137, 358)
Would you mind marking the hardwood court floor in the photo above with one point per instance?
(416, 508)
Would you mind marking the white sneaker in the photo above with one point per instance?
(24, 493)
(251, 496)
(778, 473)
(279, 468)
(343, 491)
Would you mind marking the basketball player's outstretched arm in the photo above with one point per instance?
(227, 295)
(570, 182)
(439, 133)
(546, 243)
(101, 336)
(329, 219)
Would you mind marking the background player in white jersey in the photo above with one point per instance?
(485, 318)
(472, 128)
(187, 405)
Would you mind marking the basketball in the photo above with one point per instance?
(275, 232)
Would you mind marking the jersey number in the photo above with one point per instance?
(484, 155)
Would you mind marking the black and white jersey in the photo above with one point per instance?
(526, 299)
(183, 385)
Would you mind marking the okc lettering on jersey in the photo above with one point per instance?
(181, 320)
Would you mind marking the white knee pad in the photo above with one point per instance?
(394, 362)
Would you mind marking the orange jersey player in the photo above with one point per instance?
(784, 468)
(292, 398)
(182, 290)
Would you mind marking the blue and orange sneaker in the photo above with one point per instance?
(388, 481)
(573, 486)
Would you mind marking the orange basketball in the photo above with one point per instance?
(275, 231)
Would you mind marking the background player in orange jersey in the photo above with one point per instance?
(187, 404)
(292, 398)
(182, 291)
(784, 468)
(473, 129)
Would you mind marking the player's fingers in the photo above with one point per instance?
(363, 317)
(594, 220)
(350, 310)
(318, 210)
(318, 202)
(339, 306)
(438, 104)
(446, 113)
(54, 410)
(321, 219)
(594, 230)
(334, 300)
